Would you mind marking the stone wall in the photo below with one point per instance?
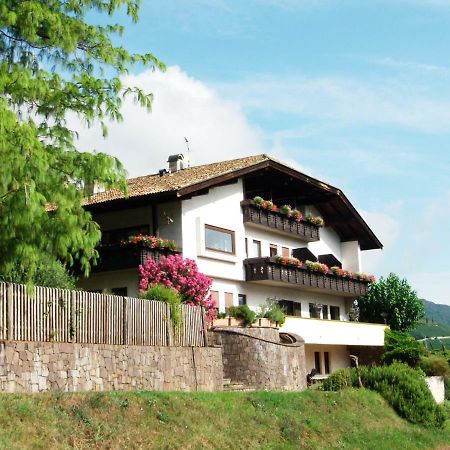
(45, 366)
(255, 357)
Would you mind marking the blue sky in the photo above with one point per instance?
(356, 93)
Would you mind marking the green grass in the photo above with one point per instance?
(267, 420)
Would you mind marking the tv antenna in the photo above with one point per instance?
(188, 152)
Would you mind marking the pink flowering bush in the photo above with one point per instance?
(181, 274)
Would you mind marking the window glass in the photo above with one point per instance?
(325, 311)
(334, 313)
(242, 299)
(273, 250)
(326, 357)
(317, 362)
(123, 291)
(219, 239)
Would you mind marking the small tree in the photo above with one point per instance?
(181, 274)
(394, 301)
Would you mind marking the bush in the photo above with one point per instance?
(272, 310)
(49, 273)
(340, 379)
(434, 365)
(402, 347)
(171, 297)
(181, 274)
(403, 387)
(242, 312)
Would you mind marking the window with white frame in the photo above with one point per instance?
(219, 239)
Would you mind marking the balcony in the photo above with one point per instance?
(120, 257)
(335, 332)
(278, 222)
(268, 271)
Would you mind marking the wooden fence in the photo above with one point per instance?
(60, 315)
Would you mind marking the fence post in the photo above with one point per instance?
(9, 306)
(170, 328)
(124, 321)
(73, 318)
(204, 331)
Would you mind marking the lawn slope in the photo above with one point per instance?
(312, 419)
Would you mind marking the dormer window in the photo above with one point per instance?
(219, 239)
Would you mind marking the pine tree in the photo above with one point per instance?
(54, 63)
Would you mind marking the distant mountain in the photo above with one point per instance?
(435, 312)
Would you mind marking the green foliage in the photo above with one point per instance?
(340, 379)
(49, 273)
(170, 296)
(427, 330)
(435, 312)
(400, 385)
(434, 365)
(402, 347)
(272, 310)
(393, 298)
(405, 389)
(54, 63)
(242, 312)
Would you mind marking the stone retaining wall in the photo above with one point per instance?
(46, 366)
(255, 357)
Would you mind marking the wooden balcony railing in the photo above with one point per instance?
(267, 269)
(278, 221)
(120, 257)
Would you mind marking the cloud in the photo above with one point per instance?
(217, 128)
(344, 100)
(387, 228)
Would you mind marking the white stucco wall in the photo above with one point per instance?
(351, 256)
(338, 357)
(170, 222)
(437, 388)
(267, 237)
(220, 207)
(317, 331)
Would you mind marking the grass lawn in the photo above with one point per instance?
(272, 420)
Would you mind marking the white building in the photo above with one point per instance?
(208, 211)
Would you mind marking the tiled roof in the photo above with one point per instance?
(156, 184)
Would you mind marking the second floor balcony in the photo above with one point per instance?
(130, 256)
(278, 222)
(267, 270)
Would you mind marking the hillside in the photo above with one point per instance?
(438, 312)
(429, 329)
(270, 420)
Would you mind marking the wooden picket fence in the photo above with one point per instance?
(60, 315)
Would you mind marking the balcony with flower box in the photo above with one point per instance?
(269, 270)
(276, 221)
(133, 252)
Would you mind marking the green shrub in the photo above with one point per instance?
(242, 312)
(272, 310)
(403, 387)
(340, 379)
(402, 347)
(434, 365)
(171, 297)
(49, 273)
